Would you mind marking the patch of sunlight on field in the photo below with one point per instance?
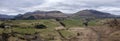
(24, 30)
(72, 23)
(67, 34)
(1, 31)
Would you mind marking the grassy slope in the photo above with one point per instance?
(78, 23)
(27, 26)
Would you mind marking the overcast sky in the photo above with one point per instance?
(13, 7)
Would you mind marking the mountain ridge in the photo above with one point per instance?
(58, 14)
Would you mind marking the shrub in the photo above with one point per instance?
(40, 26)
(114, 23)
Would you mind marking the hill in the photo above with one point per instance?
(93, 14)
(58, 14)
(42, 15)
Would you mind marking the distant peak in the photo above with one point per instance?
(54, 12)
(48, 11)
(90, 10)
(43, 12)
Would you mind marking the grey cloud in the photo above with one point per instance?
(67, 6)
(20, 3)
(16, 5)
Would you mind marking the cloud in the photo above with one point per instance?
(113, 10)
(66, 6)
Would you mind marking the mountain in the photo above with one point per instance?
(92, 14)
(58, 14)
(3, 16)
(41, 15)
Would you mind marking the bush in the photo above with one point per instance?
(40, 26)
(2, 25)
(114, 23)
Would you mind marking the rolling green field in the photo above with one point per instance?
(78, 23)
(28, 27)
